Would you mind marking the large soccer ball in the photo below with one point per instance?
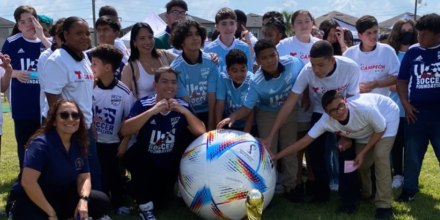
(219, 168)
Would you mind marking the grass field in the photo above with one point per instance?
(426, 205)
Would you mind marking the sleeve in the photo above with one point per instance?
(6, 48)
(86, 166)
(354, 74)
(376, 120)
(35, 156)
(135, 110)
(394, 64)
(220, 93)
(405, 67)
(213, 77)
(251, 97)
(301, 82)
(318, 128)
(55, 77)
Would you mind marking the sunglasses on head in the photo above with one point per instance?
(66, 115)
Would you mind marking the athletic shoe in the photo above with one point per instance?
(123, 210)
(406, 196)
(105, 217)
(383, 214)
(146, 211)
(334, 187)
(397, 181)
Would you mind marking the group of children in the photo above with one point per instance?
(300, 84)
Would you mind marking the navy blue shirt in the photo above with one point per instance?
(59, 168)
(162, 132)
(24, 97)
(421, 67)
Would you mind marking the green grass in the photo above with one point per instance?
(426, 205)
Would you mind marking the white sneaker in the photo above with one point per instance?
(123, 210)
(334, 187)
(397, 181)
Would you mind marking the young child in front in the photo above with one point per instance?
(232, 87)
(112, 101)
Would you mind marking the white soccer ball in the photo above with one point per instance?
(219, 168)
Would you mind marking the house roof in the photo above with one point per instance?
(348, 19)
(254, 20)
(388, 24)
(6, 23)
(198, 19)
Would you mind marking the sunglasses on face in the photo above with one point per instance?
(66, 115)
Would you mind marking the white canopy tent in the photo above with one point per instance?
(156, 23)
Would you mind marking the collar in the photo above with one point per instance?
(72, 54)
(374, 48)
(168, 30)
(102, 86)
(268, 76)
(199, 59)
(333, 70)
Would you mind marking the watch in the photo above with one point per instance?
(86, 198)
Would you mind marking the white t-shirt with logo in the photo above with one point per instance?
(378, 64)
(345, 79)
(71, 80)
(369, 113)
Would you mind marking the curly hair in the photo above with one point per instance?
(180, 32)
(80, 136)
(394, 37)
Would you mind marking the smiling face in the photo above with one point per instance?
(337, 109)
(237, 72)
(144, 41)
(26, 25)
(66, 126)
(106, 35)
(78, 36)
(369, 38)
(227, 28)
(100, 69)
(166, 86)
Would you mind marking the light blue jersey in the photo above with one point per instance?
(196, 80)
(232, 96)
(269, 94)
(222, 50)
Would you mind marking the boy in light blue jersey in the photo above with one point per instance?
(267, 92)
(226, 24)
(197, 72)
(232, 88)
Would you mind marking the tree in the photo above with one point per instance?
(287, 16)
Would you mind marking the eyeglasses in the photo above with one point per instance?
(66, 115)
(177, 13)
(340, 108)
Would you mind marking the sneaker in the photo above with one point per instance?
(383, 214)
(105, 217)
(334, 187)
(406, 196)
(146, 211)
(397, 181)
(123, 210)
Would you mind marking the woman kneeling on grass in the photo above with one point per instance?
(56, 177)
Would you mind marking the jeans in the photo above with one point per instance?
(332, 158)
(417, 137)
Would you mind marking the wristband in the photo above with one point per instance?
(83, 197)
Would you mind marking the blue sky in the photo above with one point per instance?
(134, 10)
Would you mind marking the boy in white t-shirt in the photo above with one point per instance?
(378, 62)
(372, 120)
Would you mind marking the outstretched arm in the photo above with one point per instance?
(297, 146)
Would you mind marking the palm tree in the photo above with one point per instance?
(287, 16)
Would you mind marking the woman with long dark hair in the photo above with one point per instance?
(138, 73)
(56, 177)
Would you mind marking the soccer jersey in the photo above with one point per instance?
(294, 47)
(231, 95)
(111, 105)
(345, 79)
(71, 79)
(24, 97)
(368, 113)
(196, 80)
(161, 133)
(421, 67)
(270, 94)
(377, 64)
(222, 50)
